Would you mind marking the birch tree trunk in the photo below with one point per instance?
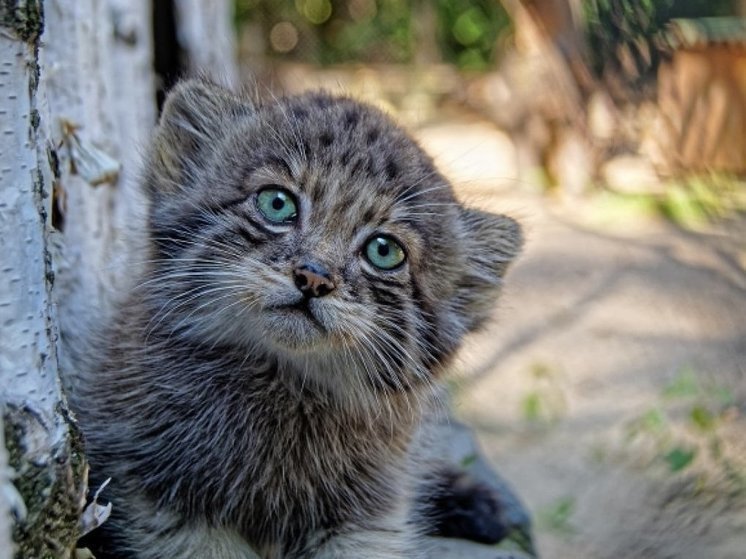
(77, 108)
(205, 33)
(96, 69)
(42, 504)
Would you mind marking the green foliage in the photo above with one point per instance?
(679, 458)
(618, 33)
(702, 418)
(683, 385)
(468, 460)
(468, 31)
(695, 199)
(688, 201)
(557, 516)
(706, 407)
(531, 407)
(377, 32)
(370, 31)
(335, 31)
(652, 422)
(545, 404)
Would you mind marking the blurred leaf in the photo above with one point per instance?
(682, 207)
(633, 27)
(702, 418)
(469, 27)
(612, 208)
(556, 516)
(683, 385)
(468, 460)
(680, 458)
(653, 420)
(518, 539)
(315, 11)
(531, 407)
(652, 423)
(468, 31)
(694, 199)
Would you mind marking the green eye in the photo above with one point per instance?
(384, 252)
(277, 204)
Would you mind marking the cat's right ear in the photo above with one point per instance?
(193, 119)
(490, 244)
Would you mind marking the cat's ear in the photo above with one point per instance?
(194, 117)
(491, 242)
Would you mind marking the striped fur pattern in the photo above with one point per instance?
(233, 425)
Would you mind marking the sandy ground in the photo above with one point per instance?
(610, 390)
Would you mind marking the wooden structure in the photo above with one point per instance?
(702, 96)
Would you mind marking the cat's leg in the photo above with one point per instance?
(449, 501)
(190, 542)
(156, 534)
(201, 542)
(459, 495)
(390, 536)
(371, 543)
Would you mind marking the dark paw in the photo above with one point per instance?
(461, 507)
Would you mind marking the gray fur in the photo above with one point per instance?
(228, 424)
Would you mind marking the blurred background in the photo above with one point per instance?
(581, 88)
(610, 390)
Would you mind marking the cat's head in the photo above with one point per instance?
(314, 229)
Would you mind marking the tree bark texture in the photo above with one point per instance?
(97, 73)
(205, 33)
(77, 107)
(42, 498)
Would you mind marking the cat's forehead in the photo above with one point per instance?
(350, 156)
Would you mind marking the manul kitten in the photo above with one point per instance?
(268, 386)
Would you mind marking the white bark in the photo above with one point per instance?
(205, 32)
(96, 67)
(77, 106)
(133, 98)
(27, 346)
(39, 445)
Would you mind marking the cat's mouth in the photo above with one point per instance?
(301, 309)
(302, 325)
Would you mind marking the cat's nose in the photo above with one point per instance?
(313, 280)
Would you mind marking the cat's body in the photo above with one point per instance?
(267, 389)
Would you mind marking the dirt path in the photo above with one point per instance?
(611, 390)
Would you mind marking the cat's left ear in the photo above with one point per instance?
(196, 115)
(491, 243)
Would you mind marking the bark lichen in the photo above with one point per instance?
(48, 477)
(25, 18)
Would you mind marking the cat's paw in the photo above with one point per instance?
(462, 507)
